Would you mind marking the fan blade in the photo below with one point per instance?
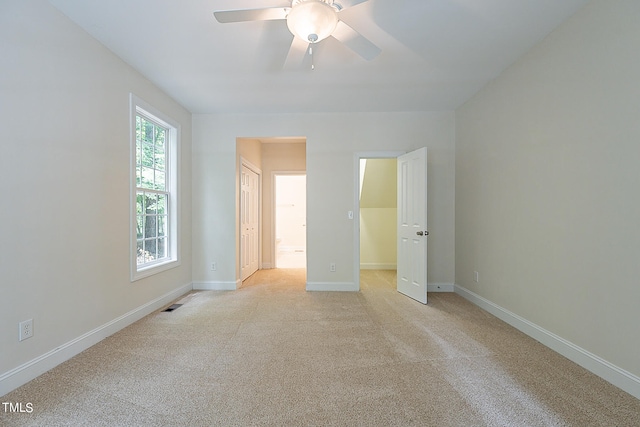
(355, 41)
(344, 4)
(296, 54)
(268, 14)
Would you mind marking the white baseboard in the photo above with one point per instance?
(351, 287)
(217, 286)
(377, 266)
(440, 287)
(333, 286)
(26, 372)
(602, 368)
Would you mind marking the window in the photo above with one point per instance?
(154, 234)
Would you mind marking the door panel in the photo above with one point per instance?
(249, 222)
(412, 225)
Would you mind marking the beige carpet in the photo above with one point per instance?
(273, 354)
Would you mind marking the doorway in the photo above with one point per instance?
(410, 205)
(290, 219)
(268, 156)
(362, 260)
(378, 213)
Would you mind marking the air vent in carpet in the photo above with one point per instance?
(172, 307)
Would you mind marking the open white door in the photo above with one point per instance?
(412, 225)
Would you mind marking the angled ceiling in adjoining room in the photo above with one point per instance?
(379, 188)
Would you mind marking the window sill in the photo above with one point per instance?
(153, 269)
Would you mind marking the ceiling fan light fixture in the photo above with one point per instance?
(312, 20)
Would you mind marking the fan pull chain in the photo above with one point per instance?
(313, 66)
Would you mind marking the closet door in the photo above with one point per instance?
(249, 222)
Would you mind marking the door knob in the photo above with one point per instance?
(421, 233)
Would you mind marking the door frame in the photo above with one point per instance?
(274, 174)
(246, 163)
(356, 195)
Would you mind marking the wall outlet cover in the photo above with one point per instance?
(26, 329)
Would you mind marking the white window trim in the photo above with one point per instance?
(137, 105)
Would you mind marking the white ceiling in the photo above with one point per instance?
(435, 53)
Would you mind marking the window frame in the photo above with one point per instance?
(172, 173)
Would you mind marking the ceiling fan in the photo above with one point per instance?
(310, 21)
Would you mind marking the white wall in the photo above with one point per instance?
(249, 150)
(64, 180)
(547, 182)
(332, 141)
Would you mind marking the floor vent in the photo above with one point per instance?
(172, 307)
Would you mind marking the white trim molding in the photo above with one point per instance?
(26, 372)
(440, 287)
(617, 376)
(217, 286)
(332, 287)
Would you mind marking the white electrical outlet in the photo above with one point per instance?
(332, 267)
(476, 277)
(214, 266)
(26, 329)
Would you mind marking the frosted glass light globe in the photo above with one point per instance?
(312, 20)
